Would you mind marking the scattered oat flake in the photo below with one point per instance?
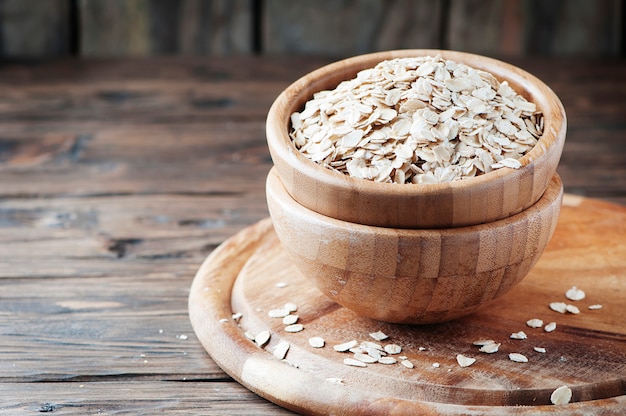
(490, 348)
(562, 395)
(335, 380)
(534, 323)
(465, 361)
(290, 306)
(374, 353)
(249, 335)
(540, 349)
(572, 309)
(370, 344)
(345, 346)
(559, 307)
(574, 293)
(278, 313)
(550, 327)
(379, 336)
(518, 335)
(290, 319)
(482, 342)
(317, 342)
(407, 363)
(387, 360)
(353, 362)
(236, 316)
(294, 328)
(261, 338)
(518, 358)
(355, 350)
(393, 349)
(281, 350)
(595, 307)
(365, 358)
(436, 365)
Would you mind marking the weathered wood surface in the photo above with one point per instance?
(493, 27)
(105, 28)
(153, 27)
(119, 177)
(35, 29)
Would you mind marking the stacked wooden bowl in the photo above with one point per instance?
(414, 253)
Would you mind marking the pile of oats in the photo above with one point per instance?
(417, 120)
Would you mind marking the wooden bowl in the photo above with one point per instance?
(407, 275)
(493, 196)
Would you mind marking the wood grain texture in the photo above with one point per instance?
(579, 27)
(344, 28)
(495, 28)
(118, 177)
(154, 27)
(585, 352)
(114, 28)
(412, 275)
(100, 28)
(530, 27)
(142, 397)
(35, 29)
(478, 26)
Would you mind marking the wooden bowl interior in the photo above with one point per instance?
(412, 276)
(485, 198)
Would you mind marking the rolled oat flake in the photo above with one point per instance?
(419, 120)
(561, 395)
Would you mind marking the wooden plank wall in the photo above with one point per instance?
(106, 28)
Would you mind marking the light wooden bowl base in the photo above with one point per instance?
(412, 276)
(586, 352)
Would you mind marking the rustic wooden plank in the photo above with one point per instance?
(476, 26)
(79, 328)
(342, 28)
(147, 27)
(220, 27)
(114, 28)
(139, 397)
(578, 27)
(35, 29)
(199, 160)
(139, 227)
(141, 101)
(201, 70)
(521, 27)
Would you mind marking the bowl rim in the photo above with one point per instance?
(276, 190)
(293, 98)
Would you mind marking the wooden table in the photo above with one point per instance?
(118, 178)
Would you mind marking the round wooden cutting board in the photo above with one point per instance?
(250, 274)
